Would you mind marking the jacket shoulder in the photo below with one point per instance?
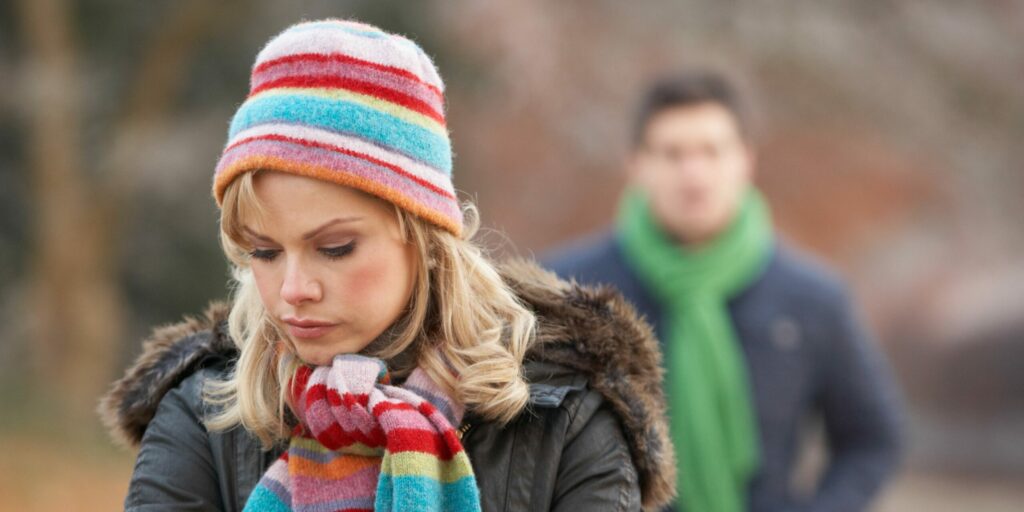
(585, 259)
(558, 386)
(190, 388)
(566, 447)
(809, 273)
(551, 383)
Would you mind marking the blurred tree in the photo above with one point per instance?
(76, 308)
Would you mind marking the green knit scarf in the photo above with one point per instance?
(711, 411)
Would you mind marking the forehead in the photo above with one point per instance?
(293, 203)
(701, 120)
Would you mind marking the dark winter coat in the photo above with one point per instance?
(808, 355)
(593, 437)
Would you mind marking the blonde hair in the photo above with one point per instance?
(476, 327)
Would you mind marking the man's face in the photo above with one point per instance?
(694, 165)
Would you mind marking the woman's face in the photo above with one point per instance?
(330, 264)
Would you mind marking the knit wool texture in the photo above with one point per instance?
(364, 444)
(711, 408)
(346, 102)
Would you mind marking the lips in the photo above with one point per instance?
(308, 328)
(694, 197)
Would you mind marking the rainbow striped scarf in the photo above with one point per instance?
(364, 444)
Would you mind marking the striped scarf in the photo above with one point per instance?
(364, 444)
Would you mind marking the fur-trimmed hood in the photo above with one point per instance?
(592, 330)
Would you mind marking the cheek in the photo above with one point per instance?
(656, 180)
(659, 186)
(268, 284)
(376, 287)
(365, 279)
(737, 183)
(723, 182)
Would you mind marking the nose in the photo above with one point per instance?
(692, 163)
(299, 285)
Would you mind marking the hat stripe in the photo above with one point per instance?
(442, 213)
(343, 65)
(358, 86)
(398, 111)
(338, 149)
(336, 166)
(347, 117)
(327, 138)
(378, 51)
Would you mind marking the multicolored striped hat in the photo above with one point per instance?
(346, 102)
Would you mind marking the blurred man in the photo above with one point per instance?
(756, 336)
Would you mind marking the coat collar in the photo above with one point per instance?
(590, 330)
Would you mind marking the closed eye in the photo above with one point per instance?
(263, 254)
(339, 251)
(331, 252)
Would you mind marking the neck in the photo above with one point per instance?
(400, 364)
(692, 240)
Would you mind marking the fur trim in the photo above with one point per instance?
(595, 331)
(592, 330)
(170, 353)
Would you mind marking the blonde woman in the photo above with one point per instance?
(371, 357)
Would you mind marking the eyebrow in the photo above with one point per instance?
(307, 236)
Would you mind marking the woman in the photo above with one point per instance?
(371, 357)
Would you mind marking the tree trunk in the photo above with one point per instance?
(74, 307)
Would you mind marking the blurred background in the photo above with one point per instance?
(890, 146)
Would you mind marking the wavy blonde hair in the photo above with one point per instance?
(476, 327)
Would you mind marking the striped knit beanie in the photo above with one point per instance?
(348, 103)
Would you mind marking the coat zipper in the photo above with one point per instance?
(463, 429)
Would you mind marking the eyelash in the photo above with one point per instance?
(332, 253)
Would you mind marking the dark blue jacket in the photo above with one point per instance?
(808, 355)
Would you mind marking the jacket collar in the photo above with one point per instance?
(590, 330)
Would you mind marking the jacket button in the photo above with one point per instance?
(785, 334)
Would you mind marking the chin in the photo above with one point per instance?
(691, 232)
(321, 354)
(309, 353)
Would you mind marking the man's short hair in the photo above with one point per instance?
(690, 88)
